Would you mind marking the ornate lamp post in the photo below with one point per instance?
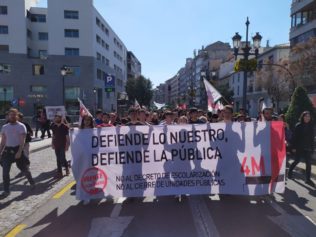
(245, 51)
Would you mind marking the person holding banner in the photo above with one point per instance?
(303, 145)
(228, 114)
(87, 122)
(132, 114)
(193, 116)
(60, 143)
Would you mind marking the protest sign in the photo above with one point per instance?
(51, 111)
(219, 158)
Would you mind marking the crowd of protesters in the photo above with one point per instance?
(14, 147)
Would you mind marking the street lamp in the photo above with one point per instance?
(63, 72)
(246, 53)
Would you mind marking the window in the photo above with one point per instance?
(42, 54)
(5, 68)
(99, 74)
(38, 89)
(98, 56)
(3, 10)
(103, 59)
(238, 90)
(4, 29)
(6, 93)
(98, 21)
(38, 69)
(71, 52)
(107, 46)
(42, 36)
(298, 19)
(107, 62)
(71, 14)
(70, 33)
(73, 71)
(108, 95)
(4, 48)
(29, 34)
(98, 38)
(72, 93)
(38, 18)
(107, 31)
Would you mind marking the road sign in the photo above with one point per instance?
(109, 82)
(14, 102)
(21, 102)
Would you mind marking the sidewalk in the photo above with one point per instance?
(38, 144)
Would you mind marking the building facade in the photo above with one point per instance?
(35, 43)
(134, 67)
(303, 21)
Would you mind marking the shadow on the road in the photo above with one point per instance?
(44, 182)
(75, 221)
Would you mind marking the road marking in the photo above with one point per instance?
(118, 207)
(64, 190)
(203, 220)
(16, 230)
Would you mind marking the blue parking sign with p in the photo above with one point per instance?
(109, 82)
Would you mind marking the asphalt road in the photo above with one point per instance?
(60, 214)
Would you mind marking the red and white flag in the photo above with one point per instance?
(83, 111)
(212, 95)
(136, 104)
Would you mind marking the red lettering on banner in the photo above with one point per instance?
(94, 181)
(255, 168)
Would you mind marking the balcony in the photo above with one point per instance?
(297, 5)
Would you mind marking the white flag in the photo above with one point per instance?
(83, 111)
(220, 106)
(158, 105)
(212, 95)
(136, 104)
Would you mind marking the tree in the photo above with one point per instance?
(299, 103)
(276, 79)
(303, 62)
(140, 89)
(226, 93)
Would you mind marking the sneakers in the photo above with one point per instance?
(59, 175)
(310, 182)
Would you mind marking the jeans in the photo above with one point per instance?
(307, 155)
(7, 159)
(61, 159)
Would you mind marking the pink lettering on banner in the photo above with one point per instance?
(94, 181)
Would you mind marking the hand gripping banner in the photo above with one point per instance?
(216, 158)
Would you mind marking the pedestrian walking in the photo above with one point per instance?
(303, 145)
(60, 143)
(29, 134)
(13, 136)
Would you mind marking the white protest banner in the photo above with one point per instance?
(137, 161)
(51, 111)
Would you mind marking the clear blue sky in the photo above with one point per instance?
(163, 33)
